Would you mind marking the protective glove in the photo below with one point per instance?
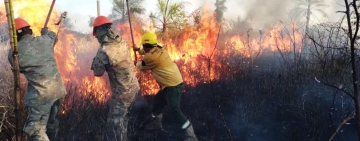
(44, 31)
(136, 48)
(138, 63)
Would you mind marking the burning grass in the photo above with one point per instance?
(82, 116)
(255, 82)
(256, 102)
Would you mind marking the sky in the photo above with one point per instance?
(80, 10)
(261, 11)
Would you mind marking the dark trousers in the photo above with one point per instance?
(170, 97)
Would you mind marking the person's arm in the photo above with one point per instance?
(99, 63)
(49, 35)
(150, 61)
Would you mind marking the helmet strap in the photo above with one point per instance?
(158, 46)
(23, 31)
(149, 45)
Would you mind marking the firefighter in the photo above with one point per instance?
(45, 88)
(169, 78)
(114, 57)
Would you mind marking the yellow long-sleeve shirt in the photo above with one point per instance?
(164, 70)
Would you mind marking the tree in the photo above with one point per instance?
(220, 9)
(91, 20)
(353, 28)
(308, 8)
(119, 10)
(169, 14)
(345, 48)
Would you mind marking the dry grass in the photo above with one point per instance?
(6, 77)
(7, 119)
(6, 81)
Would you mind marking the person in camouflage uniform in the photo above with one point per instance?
(45, 87)
(114, 57)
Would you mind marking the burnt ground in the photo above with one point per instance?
(141, 112)
(258, 107)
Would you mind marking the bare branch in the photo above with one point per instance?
(212, 88)
(345, 121)
(336, 87)
(2, 121)
(357, 21)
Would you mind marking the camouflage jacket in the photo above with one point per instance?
(37, 63)
(114, 57)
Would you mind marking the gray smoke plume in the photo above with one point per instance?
(260, 13)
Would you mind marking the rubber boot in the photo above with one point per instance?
(189, 134)
(39, 137)
(155, 123)
(52, 136)
(113, 133)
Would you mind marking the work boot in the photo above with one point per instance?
(52, 136)
(155, 123)
(38, 138)
(189, 134)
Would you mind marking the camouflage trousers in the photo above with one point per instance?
(118, 117)
(42, 123)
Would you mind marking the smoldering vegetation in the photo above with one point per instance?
(285, 90)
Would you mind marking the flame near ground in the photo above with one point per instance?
(190, 49)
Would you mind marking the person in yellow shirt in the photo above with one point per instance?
(169, 78)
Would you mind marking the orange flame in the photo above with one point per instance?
(191, 49)
(72, 68)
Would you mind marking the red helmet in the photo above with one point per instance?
(20, 23)
(100, 20)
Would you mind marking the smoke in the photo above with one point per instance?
(334, 6)
(261, 13)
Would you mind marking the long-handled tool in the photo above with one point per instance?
(62, 16)
(132, 36)
(135, 56)
(98, 7)
(49, 14)
(16, 67)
